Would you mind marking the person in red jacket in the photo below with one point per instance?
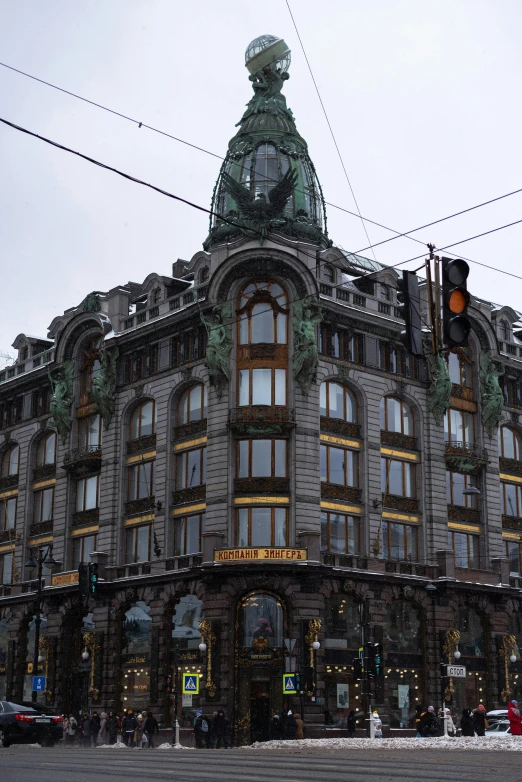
(514, 718)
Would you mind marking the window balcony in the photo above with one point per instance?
(8, 536)
(459, 513)
(257, 485)
(41, 528)
(465, 457)
(404, 504)
(462, 392)
(338, 426)
(8, 482)
(43, 472)
(145, 443)
(335, 491)
(193, 428)
(82, 518)
(142, 505)
(83, 461)
(191, 494)
(512, 522)
(261, 419)
(512, 466)
(398, 440)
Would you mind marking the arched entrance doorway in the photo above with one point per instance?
(260, 632)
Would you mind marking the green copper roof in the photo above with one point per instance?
(267, 183)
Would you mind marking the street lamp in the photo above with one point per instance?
(48, 560)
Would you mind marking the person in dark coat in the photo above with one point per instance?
(199, 734)
(479, 720)
(291, 727)
(113, 727)
(514, 718)
(466, 723)
(219, 729)
(276, 728)
(128, 726)
(429, 724)
(351, 724)
(86, 730)
(95, 727)
(150, 728)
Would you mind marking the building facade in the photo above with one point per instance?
(255, 464)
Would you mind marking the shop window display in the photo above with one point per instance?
(341, 642)
(185, 654)
(472, 645)
(28, 678)
(261, 618)
(4, 637)
(403, 663)
(135, 656)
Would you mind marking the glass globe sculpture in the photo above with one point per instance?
(267, 51)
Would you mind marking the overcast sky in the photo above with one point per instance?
(424, 98)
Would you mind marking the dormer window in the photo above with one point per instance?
(329, 273)
(504, 331)
(204, 274)
(24, 353)
(156, 296)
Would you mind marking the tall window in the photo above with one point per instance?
(187, 534)
(143, 420)
(399, 541)
(398, 477)
(340, 533)
(456, 483)
(329, 273)
(504, 331)
(137, 544)
(459, 427)
(262, 387)
(263, 313)
(193, 404)
(46, 450)
(514, 554)
(43, 505)
(509, 443)
(396, 416)
(261, 459)
(89, 367)
(339, 465)
(191, 468)
(8, 514)
(261, 526)
(460, 367)
(337, 401)
(6, 570)
(466, 549)
(511, 499)
(82, 549)
(341, 343)
(87, 493)
(89, 432)
(141, 480)
(10, 461)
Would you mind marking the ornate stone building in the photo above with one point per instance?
(246, 450)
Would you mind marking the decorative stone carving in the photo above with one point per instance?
(61, 400)
(91, 302)
(306, 315)
(104, 385)
(219, 345)
(491, 394)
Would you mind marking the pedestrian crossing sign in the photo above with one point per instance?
(190, 684)
(289, 684)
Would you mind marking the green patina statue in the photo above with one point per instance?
(91, 302)
(61, 400)
(104, 385)
(491, 394)
(219, 344)
(439, 393)
(306, 315)
(267, 98)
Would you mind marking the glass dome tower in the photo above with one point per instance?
(267, 183)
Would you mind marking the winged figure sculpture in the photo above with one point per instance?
(261, 209)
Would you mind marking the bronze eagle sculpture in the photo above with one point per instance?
(261, 210)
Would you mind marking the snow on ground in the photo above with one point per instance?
(509, 744)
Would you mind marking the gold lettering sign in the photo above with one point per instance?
(256, 554)
(60, 579)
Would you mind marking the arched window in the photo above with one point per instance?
(460, 367)
(46, 450)
(402, 628)
(329, 273)
(504, 331)
(185, 623)
(10, 461)
(472, 640)
(89, 367)
(135, 656)
(143, 420)
(396, 416)
(509, 443)
(261, 621)
(404, 671)
(263, 313)
(193, 404)
(204, 274)
(337, 401)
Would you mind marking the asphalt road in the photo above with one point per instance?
(30, 764)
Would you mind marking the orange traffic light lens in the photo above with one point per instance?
(458, 301)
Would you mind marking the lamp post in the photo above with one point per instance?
(48, 560)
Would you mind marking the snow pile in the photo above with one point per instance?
(118, 745)
(509, 743)
(173, 746)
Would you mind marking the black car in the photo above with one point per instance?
(28, 725)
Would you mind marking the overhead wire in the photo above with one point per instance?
(398, 234)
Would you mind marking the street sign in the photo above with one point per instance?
(39, 683)
(190, 683)
(289, 687)
(186, 700)
(457, 671)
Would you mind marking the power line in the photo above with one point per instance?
(398, 234)
(331, 129)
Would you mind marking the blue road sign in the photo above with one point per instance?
(289, 687)
(190, 682)
(38, 683)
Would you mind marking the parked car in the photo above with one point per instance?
(28, 725)
(497, 715)
(498, 730)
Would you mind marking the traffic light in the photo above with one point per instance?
(168, 683)
(409, 307)
(455, 301)
(376, 659)
(357, 669)
(83, 579)
(93, 578)
(298, 683)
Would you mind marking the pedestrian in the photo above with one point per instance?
(300, 727)
(86, 730)
(113, 727)
(276, 728)
(514, 718)
(450, 725)
(103, 735)
(480, 722)
(466, 723)
(291, 726)
(418, 713)
(200, 729)
(377, 725)
(428, 725)
(138, 733)
(150, 728)
(351, 724)
(219, 728)
(95, 728)
(128, 726)
(70, 725)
